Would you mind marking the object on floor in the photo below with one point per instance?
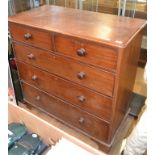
(20, 142)
(41, 149)
(27, 145)
(15, 132)
(136, 142)
(138, 101)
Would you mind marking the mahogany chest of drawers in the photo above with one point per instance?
(78, 66)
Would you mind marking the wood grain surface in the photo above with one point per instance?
(68, 69)
(78, 66)
(97, 55)
(39, 38)
(68, 114)
(109, 29)
(94, 103)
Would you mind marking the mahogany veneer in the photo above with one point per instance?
(78, 66)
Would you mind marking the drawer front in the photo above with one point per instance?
(90, 77)
(75, 117)
(31, 36)
(82, 97)
(90, 53)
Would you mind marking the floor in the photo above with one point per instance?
(139, 87)
(140, 83)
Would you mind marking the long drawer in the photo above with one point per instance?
(67, 113)
(82, 97)
(91, 53)
(90, 77)
(31, 36)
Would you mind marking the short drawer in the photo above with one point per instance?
(68, 114)
(82, 97)
(87, 52)
(31, 36)
(91, 77)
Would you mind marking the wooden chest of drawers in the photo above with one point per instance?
(78, 66)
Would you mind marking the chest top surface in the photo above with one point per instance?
(104, 28)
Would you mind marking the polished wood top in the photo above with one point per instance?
(99, 27)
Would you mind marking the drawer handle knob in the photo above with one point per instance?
(81, 52)
(38, 98)
(81, 98)
(34, 77)
(81, 120)
(27, 36)
(81, 75)
(30, 56)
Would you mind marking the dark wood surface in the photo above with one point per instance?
(78, 61)
(125, 79)
(97, 55)
(109, 29)
(94, 102)
(71, 115)
(38, 38)
(68, 69)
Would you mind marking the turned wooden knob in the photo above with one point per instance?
(81, 120)
(27, 36)
(81, 75)
(38, 98)
(30, 56)
(81, 52)
(34, 77)
(81, 98)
